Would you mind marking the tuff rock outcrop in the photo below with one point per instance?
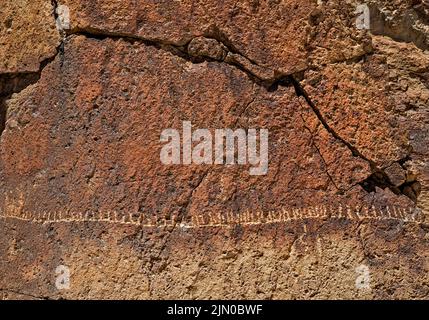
(88, 86)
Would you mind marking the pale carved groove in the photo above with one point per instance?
(225, 219)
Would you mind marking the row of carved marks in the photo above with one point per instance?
(223, 219)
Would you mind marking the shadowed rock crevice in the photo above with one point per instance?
(212, 48)
(15, 82)
(378, 178)
(391, 178)
(301, 92)
(54, 4)
(10, 84)
(2, 115)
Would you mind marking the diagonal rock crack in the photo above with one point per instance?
(213, 48)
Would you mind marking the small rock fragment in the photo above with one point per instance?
(208, 48)
(396, 174)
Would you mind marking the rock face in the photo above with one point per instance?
(28, 35)
(88, 88)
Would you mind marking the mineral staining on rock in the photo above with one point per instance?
(27, 35)
(84, 106)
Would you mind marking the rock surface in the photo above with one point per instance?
(345, 199)
(28, 35)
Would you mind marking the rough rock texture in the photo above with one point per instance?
(28, 40)
(28, 35)
(402, 20)
(82, 184)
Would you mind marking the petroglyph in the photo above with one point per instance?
(224, 219)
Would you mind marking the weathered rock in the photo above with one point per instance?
(28, 35)
(273, 33)
(95, 137)
(405, 21)
(207, 48)
(299, 260)
(396, 174)
(341, 213)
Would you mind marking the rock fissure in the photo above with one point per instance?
(379, 177)
(208, 49)
(215, 47)
(321, 157)
(11, 83)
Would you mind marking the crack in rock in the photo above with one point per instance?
(21, 293)
(10, 84)
(378, 178)
(216, 47)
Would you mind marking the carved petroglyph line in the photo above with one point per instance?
(223, 220)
